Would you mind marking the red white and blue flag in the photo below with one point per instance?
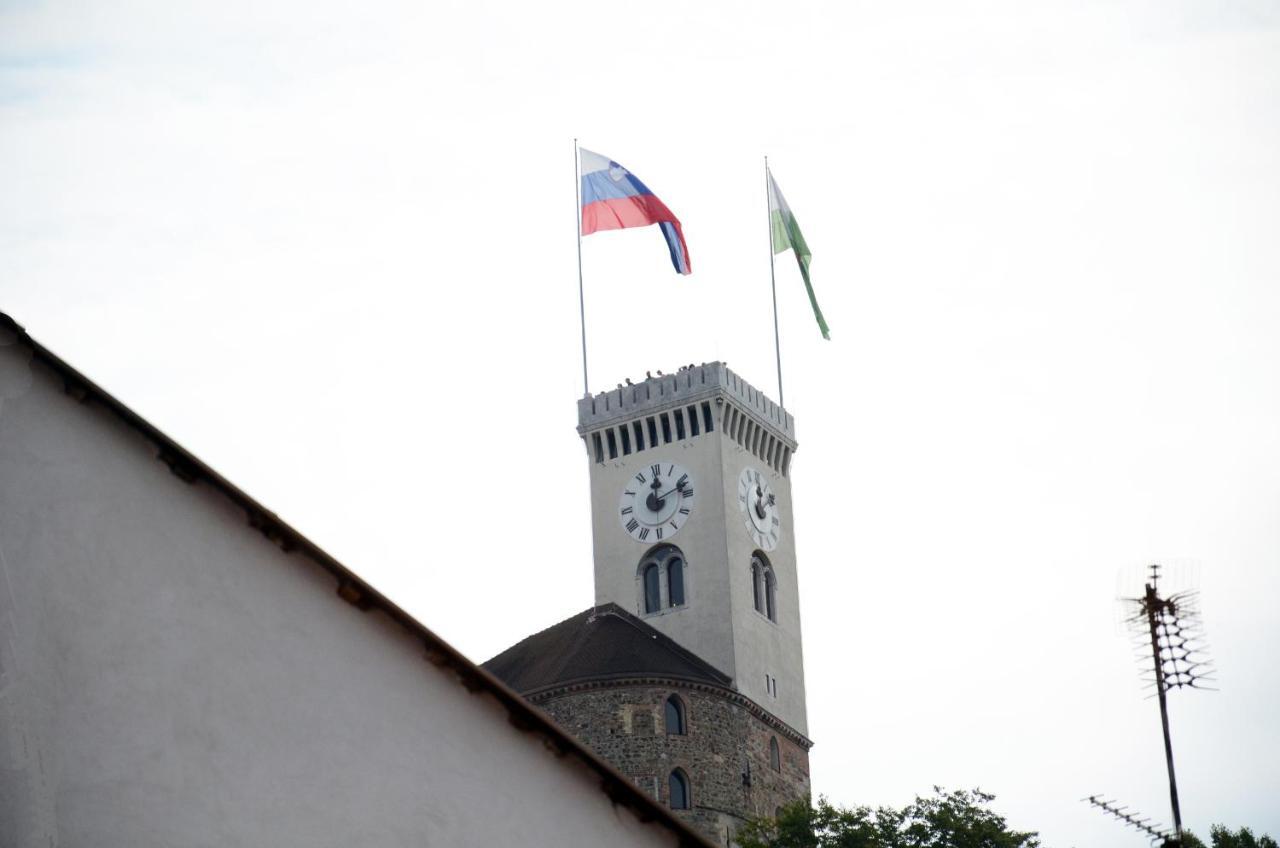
(613, 199)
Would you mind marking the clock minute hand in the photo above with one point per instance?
(677, 488)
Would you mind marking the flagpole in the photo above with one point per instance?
(582, 307)
(773, 283)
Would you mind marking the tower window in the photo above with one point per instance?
(675, 581)
(764, 586)
(666, 427)
(692, 413)
(599, 447)
(757, 578)
(652, 600)
(775, 756)
(707, 424)
(653, 432)
(678, 786)
(639, 431)
(626, 439)
(675, 716)
(678, 415)
(770, 595)
(613, 443)
(661, 575)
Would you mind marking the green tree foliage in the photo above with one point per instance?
(1223, 837)
(943, 820)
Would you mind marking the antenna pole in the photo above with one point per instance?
(773, 282)
(582, 304)
(1155, 609)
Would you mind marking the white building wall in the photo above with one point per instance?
(169, 677)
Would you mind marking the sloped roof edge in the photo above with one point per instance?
(527, 718)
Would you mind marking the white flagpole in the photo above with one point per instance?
(582, 307)
(773, 283)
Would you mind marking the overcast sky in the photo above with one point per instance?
(329, 248)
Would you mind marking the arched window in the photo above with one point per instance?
(770, 595)
(675, 716)
(775, 756)
(678, 785)
(661, 572)
(764, 586)
(675, 581)
(757, 578)
(652, 599)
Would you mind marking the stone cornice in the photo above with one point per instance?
(538, 696)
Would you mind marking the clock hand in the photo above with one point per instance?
(677, 488)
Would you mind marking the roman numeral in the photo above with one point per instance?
(674, 526)
(656, 469)
(632, 525)
(629, 492)
(658, 533)
(672, 470)
(640, 478)
(644, 533)
(684, 510)
(682, 482)
(626, 510)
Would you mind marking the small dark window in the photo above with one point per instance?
(653, 432)
(678, 415)
(770, 595)
(666, 427)
(692, 412)
(651, 600)
(706, 418)
(626, 439)
(613, 444)
(675, 581)
(757, 596)
(599, 447)
(675, 716)
(775, 756)
(679, 788)
(635, 425)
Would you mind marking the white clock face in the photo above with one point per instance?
(759, 508)
(656, 502)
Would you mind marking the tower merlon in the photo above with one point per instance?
(712, 381)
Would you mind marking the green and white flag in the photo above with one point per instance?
(786, 234)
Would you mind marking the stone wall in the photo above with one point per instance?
(625, 724)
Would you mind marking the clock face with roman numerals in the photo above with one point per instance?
(656, 502)
(759, 508)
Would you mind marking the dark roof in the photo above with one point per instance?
(355, 591)
(601, 643)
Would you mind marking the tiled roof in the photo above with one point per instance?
(600, 643)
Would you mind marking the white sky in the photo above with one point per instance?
(330, 250)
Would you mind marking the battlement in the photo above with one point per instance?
(694, 401)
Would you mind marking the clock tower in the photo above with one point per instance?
(692, 524)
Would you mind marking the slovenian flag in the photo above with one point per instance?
(613, 199)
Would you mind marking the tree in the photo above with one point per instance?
(943, 820)
(1223, 837)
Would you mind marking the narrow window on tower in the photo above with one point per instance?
(775, 755)
(675, 716)
(770, 595)
(652, 602)
(626, 439)
(675, 581)
(692, 412)
(639, 431)
(678, 787)
(613, 443)
(653, 432)
(666, 427)
(757, 595)
(707, 423)
(599, 447)
(678, 415)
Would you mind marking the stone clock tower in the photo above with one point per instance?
(732, 521)
(688, 673)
